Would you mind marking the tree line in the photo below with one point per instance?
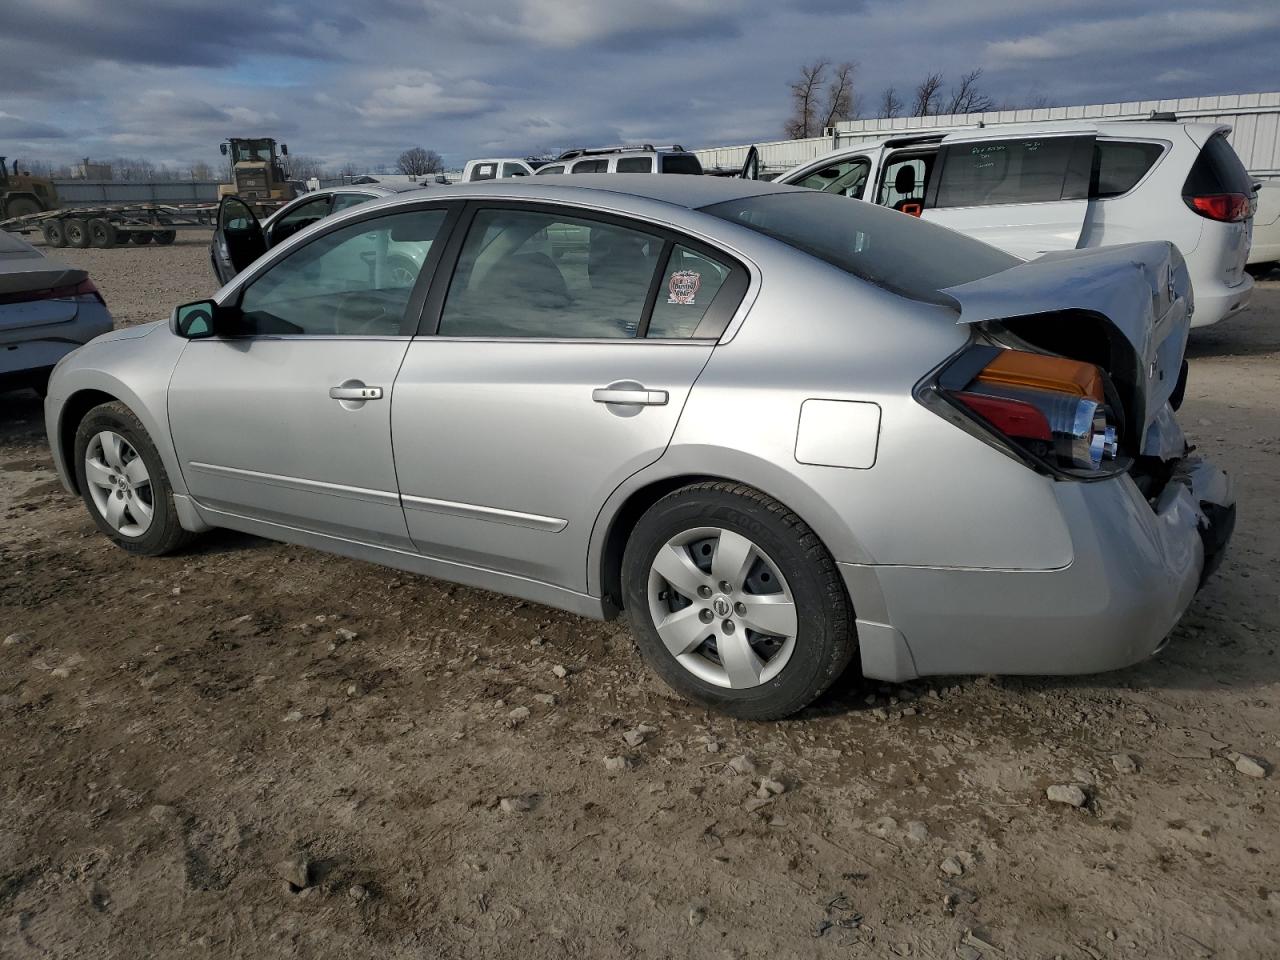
(825, 93)
(416, 161)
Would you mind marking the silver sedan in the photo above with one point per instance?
(784, 432)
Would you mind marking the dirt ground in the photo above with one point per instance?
(173, 729)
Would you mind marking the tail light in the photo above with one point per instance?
(1224, 207)
(84, 291)
(1055, 411)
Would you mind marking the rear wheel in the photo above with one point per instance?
(124, 484)
(76, 231)
(141, 237)
(53, 233)
(166, 237)
(101, 233)
(735, 602)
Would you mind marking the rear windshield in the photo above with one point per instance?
(1217, 170)
(903, 254)
(681, 163)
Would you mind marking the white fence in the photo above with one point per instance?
(1254, 120)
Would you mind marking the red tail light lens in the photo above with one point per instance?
(1224, 207)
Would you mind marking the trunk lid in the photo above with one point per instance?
(22, 282)
(1143, 294)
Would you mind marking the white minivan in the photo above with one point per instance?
(1032, 188)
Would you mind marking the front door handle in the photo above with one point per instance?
(350, 392)
(637, 395)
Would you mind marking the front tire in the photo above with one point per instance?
(76, 232)
(735, 602)
(123, 482)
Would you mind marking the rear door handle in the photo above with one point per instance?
(355, 393)
(632, 395)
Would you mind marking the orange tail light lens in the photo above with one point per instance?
(1013, 368)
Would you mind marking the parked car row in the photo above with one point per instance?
(716, 405)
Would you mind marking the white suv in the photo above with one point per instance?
(645, 158)
(1037, 187)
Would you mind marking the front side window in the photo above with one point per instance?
(635, 165)
(514, 170)
(1029, 170)
(549, 169)
(300, 217)
(845, 177)
(354, 281)
(591, 166)
(534, 274)
(903, 181)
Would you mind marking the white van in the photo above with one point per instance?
(1057, 185)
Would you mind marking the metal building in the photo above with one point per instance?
(1254, 120)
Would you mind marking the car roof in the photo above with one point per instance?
(1138, 129)
(682, 190)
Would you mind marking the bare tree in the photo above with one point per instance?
(302, 167)
(966, 97)
(350, 169)
(925, 102)
(418, 162)
(842, 101)
(804, 99)
(890, 103)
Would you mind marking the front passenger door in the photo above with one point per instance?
(285, 419)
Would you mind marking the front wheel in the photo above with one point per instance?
(735, 602)
(124, 484)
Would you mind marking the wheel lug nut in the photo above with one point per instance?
(726, 586)
(706, 616)
(704, 592)
(728, 626)
(740, 609)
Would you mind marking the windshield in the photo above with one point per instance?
(252, 151)
(903, 254)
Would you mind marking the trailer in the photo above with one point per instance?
(114, 225)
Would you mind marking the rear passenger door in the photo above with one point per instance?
(539, 383)
(1025, 194)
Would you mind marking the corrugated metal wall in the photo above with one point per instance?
(1254, 119)
(79, 193)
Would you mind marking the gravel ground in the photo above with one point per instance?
(255, 750)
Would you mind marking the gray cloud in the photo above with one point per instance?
(516, 76)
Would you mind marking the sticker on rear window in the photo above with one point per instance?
(683, 286)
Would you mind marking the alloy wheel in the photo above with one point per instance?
(119, 484)
(722, 608)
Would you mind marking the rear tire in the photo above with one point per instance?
(166, 237)
(102, 234)
(162, 533)
(786, 562)
(141, 237)
(53, 233)
(76, 232)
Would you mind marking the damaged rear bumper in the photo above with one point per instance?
(1136, 567)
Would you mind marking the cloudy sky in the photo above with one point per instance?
(364, 80)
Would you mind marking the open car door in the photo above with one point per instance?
(1026, 193)
(238, 239)
(751, 165)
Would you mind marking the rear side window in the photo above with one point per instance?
(688, 289)
(1217, 170)
(635, 165)
(549, 169)
(905, 255)
(681, 163)
(845, 177)
(1031, 170)
(1119, 165)
(514, 170)
(484, 171)
(591, 166)
(343, 201)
